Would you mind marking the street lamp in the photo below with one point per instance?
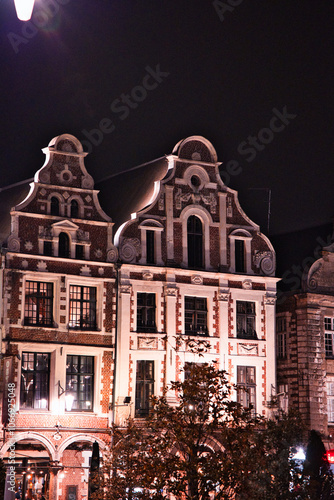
(69, 398)
(24, 9)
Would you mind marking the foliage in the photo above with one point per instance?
(2, 478)
(203, 445)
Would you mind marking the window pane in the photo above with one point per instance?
(195, 242)
(82, 307)
(195, 316)
(246, 320)
(34, 391)
(144, 387)
(146, 312)
(240, 256)
(150, 250)
(80, 381)
(38, 306)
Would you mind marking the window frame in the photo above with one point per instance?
(330, 401)
(49, 323)
(329, 337)
(35, 372)
(246, 318)
(195, 243)
(80, 375)
(246, 389)
(144, 387)
(200, 327)
(143, 325)
(92, 324)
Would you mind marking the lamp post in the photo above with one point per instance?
(24, 9)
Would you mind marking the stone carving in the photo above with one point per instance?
(224, 294)
(148, 276)
(126, 288)
(210, 200)
(24, 264)
(247, 284)
(129, 250)
(161, 202)
(87, 182)
(170, 290)
(265, 261)
(98, 253)
(28, 245)
(314, 274)
(85, 270)
(196, 279)
(41, 266)
(270, 299)
(101, 271)
(147, 343)
(13, 244)
(248, 349)
(112, 254)
(229, 207)
(82, 235)
(179, 198)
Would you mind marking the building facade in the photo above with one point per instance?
(93, 325)
(305, 348)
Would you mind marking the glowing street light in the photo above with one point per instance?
(24, 9)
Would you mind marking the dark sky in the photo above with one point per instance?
(225, 70)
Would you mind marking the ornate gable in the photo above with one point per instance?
(196, 210)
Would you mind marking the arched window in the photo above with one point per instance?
(64, 245)
(195, 242)
(54, 206)
(74, 209)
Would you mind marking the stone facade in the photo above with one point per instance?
(110, 321)
(305, 349)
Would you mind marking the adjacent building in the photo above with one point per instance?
(305, 348)
(94, 323)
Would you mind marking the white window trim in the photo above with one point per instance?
(241, 234)
(206, 220)
(42, 278)
(157, 227)
(99, 301)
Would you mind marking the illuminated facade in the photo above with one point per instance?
(94, 324)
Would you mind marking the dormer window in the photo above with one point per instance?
(151, 230)
(240, 266)
(54, 206)
(195, 242)
(74, 209)
(64, 245)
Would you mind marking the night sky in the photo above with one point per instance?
(254, 77)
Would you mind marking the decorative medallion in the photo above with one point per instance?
(247, 284)
(85, 270)
(148, 276)
(41, 266)
(147, 343)
(28, 245)
(196, 279)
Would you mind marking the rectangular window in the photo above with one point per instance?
(330, 401)
(246, 387)
(239, 256)
(281, 324)
(246, 320)
(80, 381)
(82, 307)
(146, 312)
(283, 398)
(79, 252)
(47, 250)
(38, 306)
(35, 371)
(329, 332)
(144, 387)
(150, 250)
(195, 316)
(281, 345)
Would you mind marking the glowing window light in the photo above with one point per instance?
(24, 9)
(330, 456)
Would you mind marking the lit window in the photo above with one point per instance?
(80, 381)
(82, 307)
(195, 316)
(283, 398)
(144, 387)
(330, 401)
(329, 332)
(34, 391)
(195, 242)
(240, 256)
(246, 320)
(246, 387)
(146, 312)
(38, 303)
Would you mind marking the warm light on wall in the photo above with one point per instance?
(24, 9)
